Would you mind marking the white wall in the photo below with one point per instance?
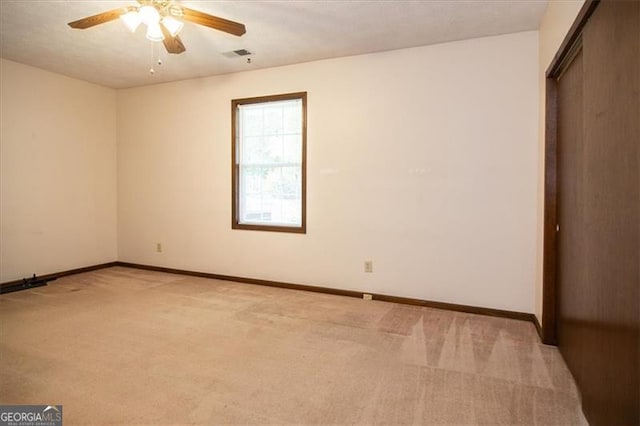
(555, 24)
(423, 160)
(57, 172)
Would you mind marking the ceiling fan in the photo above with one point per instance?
(163, 19)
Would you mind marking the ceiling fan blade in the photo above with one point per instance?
(100, 18)
(172, 44)
(214, 22)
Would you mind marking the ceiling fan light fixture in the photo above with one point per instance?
(164, 20)
(172, 25)
(149, 15)
(131, 20)
(154, 32)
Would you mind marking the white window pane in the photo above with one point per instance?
(273, 120)
(279, 196)
(273, 150)
(292, 147)
(252, 123)
(251, 180)
(252, 149)
(293, 118)
(290, 184)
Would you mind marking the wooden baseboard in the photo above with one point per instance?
(522, 316)
(245, 280)
(63, 273)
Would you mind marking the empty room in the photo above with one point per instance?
(320, 212)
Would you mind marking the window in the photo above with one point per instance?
(269, 137)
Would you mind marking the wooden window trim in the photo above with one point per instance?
(235, 170)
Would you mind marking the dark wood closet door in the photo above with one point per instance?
(598, 274)
(572, 334)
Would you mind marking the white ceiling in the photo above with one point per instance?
(34, 32)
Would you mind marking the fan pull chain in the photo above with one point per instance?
(152, 70)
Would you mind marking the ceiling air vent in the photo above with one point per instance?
(237, 53)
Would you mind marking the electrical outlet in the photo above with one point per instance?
(367, 296)
(159, 247)
(368, 266)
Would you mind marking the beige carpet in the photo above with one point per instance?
(126, 346)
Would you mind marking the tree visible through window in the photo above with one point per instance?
(269, 150)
